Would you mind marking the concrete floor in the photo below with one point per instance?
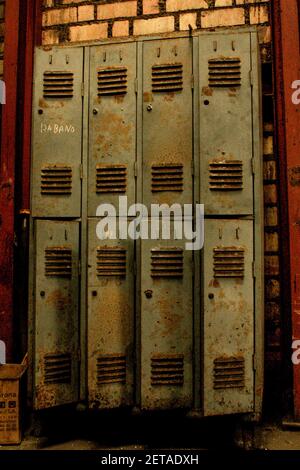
(267, 437)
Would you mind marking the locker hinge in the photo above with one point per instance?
(253, 269)
(79, 355)
(135, 169)
(81, 171)
(192, 81)
(136, 84)
(251, 77)
(192, 168)
(253, 165)
(254, 363)
(134, 268)
(79, 268)
(82, 89)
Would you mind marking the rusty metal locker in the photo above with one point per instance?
(57, 133)
(56, 313)
(110, 321)
(170, 121)
(228, 316)
(225, 124)
(112, 124)
(166, 268)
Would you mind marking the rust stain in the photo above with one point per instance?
(206, 91)
(147, 97)
(58, 300)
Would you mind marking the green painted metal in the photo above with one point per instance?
(57, 133)
(145, 130)
(167, 313)
(225, 123)
(228, 317)
(56, 335)
(110, 342)
(112, 125)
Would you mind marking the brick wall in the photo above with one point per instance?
(81, 20)
(76, 20)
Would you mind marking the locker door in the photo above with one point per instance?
(57, 133)
(228, 316)
(226, 175)
(110, 321)
(56, 313)
(167, 122)
(166, 267)
(112, 124)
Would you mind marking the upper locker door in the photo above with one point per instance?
(57, 133)
(56, 313)
(112, 139)
(166, 267)
(226, 175)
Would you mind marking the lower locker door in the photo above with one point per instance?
(166, 325)
(110, 321)
(56, 313)
(228, 317)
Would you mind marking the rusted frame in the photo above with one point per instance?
(7, 173)
(285, 16)
(22, 32)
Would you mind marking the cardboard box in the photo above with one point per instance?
(10, 425)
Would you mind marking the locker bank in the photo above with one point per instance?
(140, 323)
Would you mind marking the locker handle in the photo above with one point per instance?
(211, 296)
(148, 293)
(149, 107)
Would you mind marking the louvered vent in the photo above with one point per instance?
(167, 262)
(56, 180)
(226, 175)
(111, 368)
(224, 72)
(58, 85)
(112, 81)
(111, 179)
(58, 262)
(167, 177)
(111, 261)
(167, 78)
(167, 369)
(57, 369)
(229, 373)
(229, 262)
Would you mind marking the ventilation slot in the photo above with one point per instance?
(229, 262)
(229, 373)
(58, 262)
(112, 81)
(167, 263)
(167, 177)
(225, 73)
(111, 179)
(226, 175)
(167, 370)
(57, 369)
(111, 261)
(111, 369)
(56, 180)
(58, 85)
(167, 78)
